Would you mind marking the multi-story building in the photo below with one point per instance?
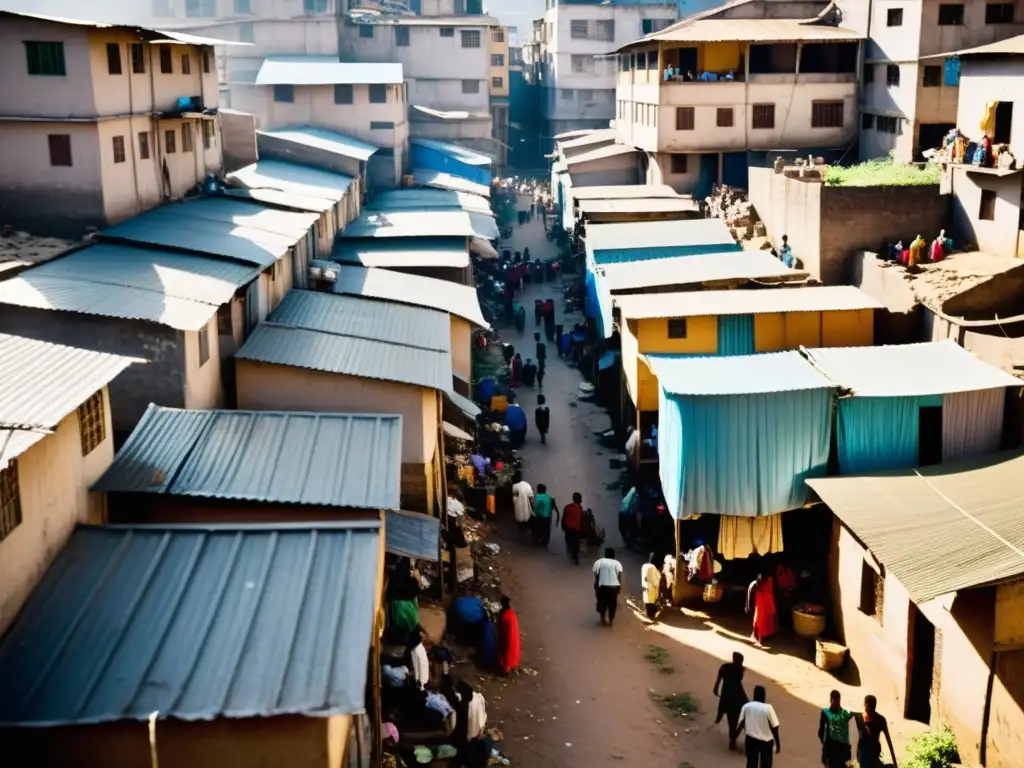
(910, 98)
(702, 95)
(100, 123)
(499, 85)
(578, 77)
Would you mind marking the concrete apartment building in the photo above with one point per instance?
(577, 75)
(910, 97)
(499, 87)
(745, 79)
(101, 123)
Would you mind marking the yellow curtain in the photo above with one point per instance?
(988, 118)
(740, 537)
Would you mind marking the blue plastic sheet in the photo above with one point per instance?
(736, 335)
(877, 433)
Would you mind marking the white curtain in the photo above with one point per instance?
(972, 423)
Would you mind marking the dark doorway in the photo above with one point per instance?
(688, 60)
(930, 136)
(920, 666)
(929, 444)
(1004, 122)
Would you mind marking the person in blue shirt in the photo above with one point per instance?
(515, 420)
(786, 253)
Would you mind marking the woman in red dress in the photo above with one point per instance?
(761, 598)
(508, 638)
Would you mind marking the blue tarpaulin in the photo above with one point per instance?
(951, 73)
(877, 433)
(736, 335)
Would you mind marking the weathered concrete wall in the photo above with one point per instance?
(238, 133)
(999, 235)
(271, 146)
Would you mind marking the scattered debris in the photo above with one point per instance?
(680, 704)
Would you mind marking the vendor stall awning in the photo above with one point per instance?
(411, 534)
(452, 431)
(937, 529)
(737, 375)
(464, 404)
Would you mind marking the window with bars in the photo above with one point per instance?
(10, 499)
(677, 326)
(886, 124)
(60, 149)
(894, 17)
(892, 74)
(579, 29)
(113, 59)
(498, 35)
(170, 142)
(378, 94)
(679, 164)
(166, 63)
(207, 133)
(497, 60)
(119, 153)
(581, 64)
(144, 145)
(470, 38)
(92, 427)
(932, 77)
(497, 82)
(999, 13)
(763, 116)
(186, 64)
(826, 114)
(723, 118)
(951, 15)
(138, 56)
(684, 118)
(447, 32)
(606, 31)
(186, 138)
(45, 58)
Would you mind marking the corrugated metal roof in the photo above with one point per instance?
(347, 355)
(753, 30)
(325, 70)
(654, 234)
(319, 459)
(293, 178)
(463, 403)
(708, 267)
(937, 529)
(329, 141)
(364, 318)
(600, 136)
(57, 293)
(638, 205)
(281, 199)
(622, 192)
(456, 299)
(575, 134)
(422, 223)
(436, 179)
(738, 375)
(600, 153)
(195, 623)
(424, 199)
(909, 370)
(745, 302)
(1013, 46)
(404, 252)
(41, 383)
(251, 215)
(412, 535)
(462, 154)
(149, 34)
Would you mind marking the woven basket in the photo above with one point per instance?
(828, 656)
(713, 592)
(808, 625)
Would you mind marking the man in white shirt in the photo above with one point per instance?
(761, 723)
(522, 501)
(607, 583)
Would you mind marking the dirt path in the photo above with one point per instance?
(593, 700)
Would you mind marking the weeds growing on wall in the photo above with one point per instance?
(883, 173)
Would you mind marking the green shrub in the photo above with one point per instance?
(934, 749)
(882, 173)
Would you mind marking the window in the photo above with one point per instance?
(606, 31)
(867, 121)
(650, 26)
(892, 74)
(379, 94)
(471, 86)
(447, 31)
(886, 124)
(10, 499)
(951, 15)
(284, 94)
(186, 138)
(932, 77)
(144, 145)
(381, 125)
(826, 114)
(204, 343)
(677, 325)
(987, 209)
(118, 142)
(470, 38)
(497, 82)
(186, 64)
(60, 149)
(138, 57)
(246, 33)
(497, 60)
(201, 8)
(999, 13)
(45, 58)
(568, 94)
(343, 94)
(170, 142)
(206, 60)
(207, 133)
(586, 94)
(894, 17)
(872, 592)
(684, 118)
(578, 29)
(724, 117)
(763, 116)
(402, 37)
(92, 428)
(166, 65)
(679, 165)
(366, 30)
(113, 59)
(498, 35)
(581, 63)
(243, 6)
(869, 74)
(314, 6)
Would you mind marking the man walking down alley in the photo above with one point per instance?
(607, 585)
(761, 724)
(572, 526)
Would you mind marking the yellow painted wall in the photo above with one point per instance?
(53, 481)
(203, 385)
(719, 57)
(848, 329)
(701, 338)
(1010, 614)
(789, 330)
(630, 360)
(462, 347)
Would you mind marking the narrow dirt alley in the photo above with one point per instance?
(595, 696)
